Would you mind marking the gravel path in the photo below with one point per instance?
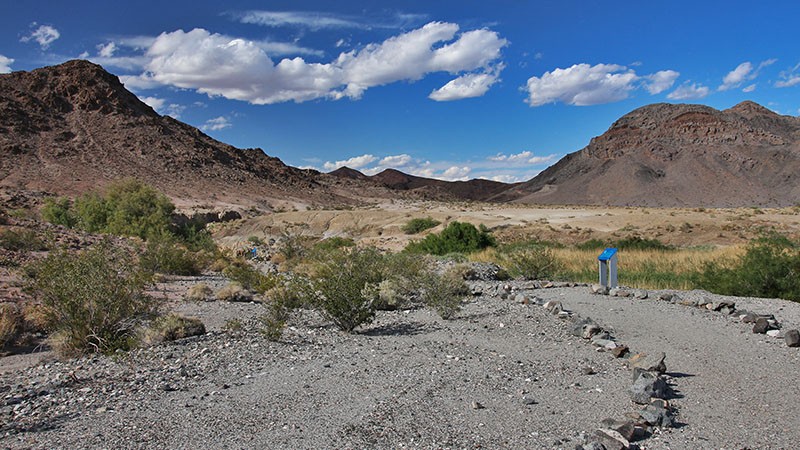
(500, 375)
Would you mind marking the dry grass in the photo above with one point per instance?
(10, 323)
(646, 269)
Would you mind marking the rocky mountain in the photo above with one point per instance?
(421, 187)
(679, 155)
(73, 127)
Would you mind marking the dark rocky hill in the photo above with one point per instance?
(73, 127)
(679, 155)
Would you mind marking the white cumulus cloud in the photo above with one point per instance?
(466, 86)
(395, 160)
(240, 69)
(106, 50)
(44, 35)
(154, 102)
(582, 84)
(660, 81)
(217, 123)
(750, 88)
(5, 64)
(356, 162)
(737, 76)
(524, 157)
(789, 77)
(688, 91)
(456, 173)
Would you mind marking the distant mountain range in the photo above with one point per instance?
(73, 127)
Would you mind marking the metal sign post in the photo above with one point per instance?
(608, 267)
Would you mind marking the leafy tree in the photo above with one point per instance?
(457, 237)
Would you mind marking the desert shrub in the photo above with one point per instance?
(10, 323)
(418, 225)
(333, 243)
(457, 237)
(164, 254)
(172, 327)
(196, 238)
(233, 325)
(255, 240)
(292, 248)
(250, 277)
(58, 211)
(21, 240)
(93, 300)
(344, 286)
(233, 292)
(199, 292)
(91, 212)
(444, 292)
(630, 243)
(34, 317)
(533, 263)
(770, 267)
(280, 303)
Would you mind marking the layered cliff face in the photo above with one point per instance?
(73, 127)
(680, 155)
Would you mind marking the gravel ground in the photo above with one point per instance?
(502, 374)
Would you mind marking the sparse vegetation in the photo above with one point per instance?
(233, 292)
(172, 327)
(21, 240)
(199, 292)
(164, 254)
(10, 323)
(93, 300)
(444, 293)
(769, 267)
(457, 237)
(249, 277)
(533, 263)
(418, 225)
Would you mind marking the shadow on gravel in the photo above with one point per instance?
(49, 423)
(679, 375)
(401, 329)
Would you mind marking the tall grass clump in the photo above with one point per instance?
(457, 237)
(769, 267)
(92, 301)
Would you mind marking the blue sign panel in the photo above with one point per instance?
(607, 254)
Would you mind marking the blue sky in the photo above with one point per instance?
(446, 89)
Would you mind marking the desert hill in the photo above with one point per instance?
(73, 127)
(476, 189)
(679, 155)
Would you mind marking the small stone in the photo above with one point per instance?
(792, 338)
(774, 333)
(520, 298)
(687, 302)
(590, 330)
(604, 343)
(588, 370)
(477, 292)
(528, 401)
(641, 294)
(718, 306)
(761, 326)
(578, 326)
(477, 405)
(549, 285)
(666, 296)
(620, 351)
(101, 410)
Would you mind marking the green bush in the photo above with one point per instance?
(21, 240)
(10, 323)
(344, 286)
(93, 300)
(769, 268)
(630, 243)
(164, 254)
(333, 243)
(128, 207)
(250, 277)
(58, 212)
(457, 237)
(419, 225)
(281, 301)
(533, 263)
(444, 292)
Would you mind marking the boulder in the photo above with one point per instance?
(646, 386)
(650, 363)
(792, 338)
(611, 440)
(641, 294)
(657, 414)
(599, 289)
(761, 326)
(620, 351)
(625, 428)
